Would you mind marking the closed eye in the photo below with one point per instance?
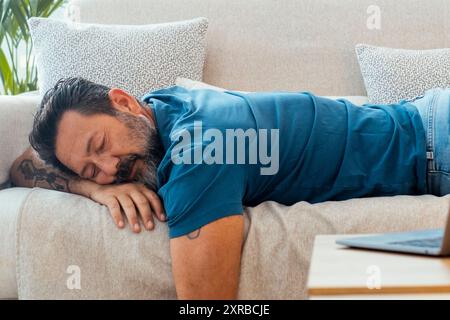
(94, 172)
(102, 145)
(101, 148)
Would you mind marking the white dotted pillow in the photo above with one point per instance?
(136, 58)
(391, 75)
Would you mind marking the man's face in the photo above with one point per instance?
(110, 149)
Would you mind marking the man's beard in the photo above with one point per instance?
(146, 136)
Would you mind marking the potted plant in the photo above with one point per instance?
(17, 65)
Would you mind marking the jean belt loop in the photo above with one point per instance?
(430, 160)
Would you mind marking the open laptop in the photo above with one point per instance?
(435, 242)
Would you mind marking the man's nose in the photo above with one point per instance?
(108, 164)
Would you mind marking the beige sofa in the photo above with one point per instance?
(253, 45)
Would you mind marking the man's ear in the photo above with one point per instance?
(123, 101)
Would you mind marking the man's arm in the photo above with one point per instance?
(133, 199)
(206, 262)
(30, 171)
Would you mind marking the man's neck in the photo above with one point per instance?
(148, 112)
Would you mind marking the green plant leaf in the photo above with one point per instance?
(20, 15)
(1, 10)
(43, 6)
(34, 5)
(49, 7)
(25, 6)
(14, 32)
(6, 73)
(5, 9)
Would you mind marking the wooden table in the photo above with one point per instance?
(338, 272)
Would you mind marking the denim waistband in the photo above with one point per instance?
(425, 104)
(434, 109)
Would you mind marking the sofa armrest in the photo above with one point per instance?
(16, 119)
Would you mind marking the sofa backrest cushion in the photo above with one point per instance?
(290, 44)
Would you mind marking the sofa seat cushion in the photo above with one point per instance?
(11, 201)
(69, 247)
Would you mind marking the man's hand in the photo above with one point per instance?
(30, 171)
(206, 262)
(134, 199)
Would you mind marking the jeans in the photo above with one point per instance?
(434, 109)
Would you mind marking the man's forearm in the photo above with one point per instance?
(30, 171)
(206, 262)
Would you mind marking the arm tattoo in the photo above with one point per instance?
(41, 175)
(194, 234)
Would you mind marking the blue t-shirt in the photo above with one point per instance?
(327, 150)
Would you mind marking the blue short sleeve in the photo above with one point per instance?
(320, 149)
(198, 194)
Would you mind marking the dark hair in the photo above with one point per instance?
(78, 94)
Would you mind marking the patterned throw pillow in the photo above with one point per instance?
(136, 58)
(391, 75)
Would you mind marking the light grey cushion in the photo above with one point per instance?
(192, 84)
(11, 201)
(138, 58)
(59, 231)
(391, 75)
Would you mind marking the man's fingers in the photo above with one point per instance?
(136, 201)
(114, 209)
(156, 204)
(130, 211)
(143, 207)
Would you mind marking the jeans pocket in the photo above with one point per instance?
(438, 183)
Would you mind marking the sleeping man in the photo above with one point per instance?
(206, 154)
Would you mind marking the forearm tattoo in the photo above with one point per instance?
(55, 180)
(194, 234)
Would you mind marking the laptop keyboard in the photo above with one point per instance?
(426, 243)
